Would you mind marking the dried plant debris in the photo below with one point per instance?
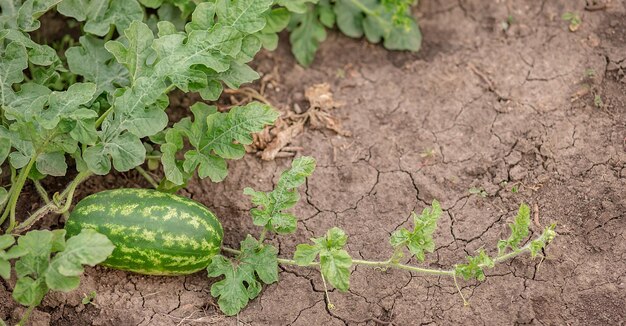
(274, 140)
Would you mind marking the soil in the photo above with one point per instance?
(512, 111)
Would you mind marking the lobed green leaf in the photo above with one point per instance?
(420, 239)
(285, 195)
(87, 248)
(335, 262)
(240, 284)
(474, 269)
(519, 230)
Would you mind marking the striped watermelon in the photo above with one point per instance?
(154, 233)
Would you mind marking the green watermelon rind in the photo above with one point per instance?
(154, 233)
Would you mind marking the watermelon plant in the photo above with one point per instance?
(99, 103)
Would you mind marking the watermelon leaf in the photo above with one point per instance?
(87, 248)
(420, 239)
(256, 261)
(215, 137)
(335, 262)
(519, 230)
(38, 272)
(474, 269)
(268, 213)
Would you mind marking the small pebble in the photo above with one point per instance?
(297, 108)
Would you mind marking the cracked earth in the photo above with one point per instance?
(479, 107)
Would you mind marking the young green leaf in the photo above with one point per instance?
(335, 262)
(307, 32)
(96, 65)
(377, 22)
(296, 6)
(238, 286)
(61, 105)
(119, 13)
(474, 269)
(420, 240)
(37, 273)
(256, 261)
(284, 196)
(305, 254)
(215, 137)
(87, 248)
(263, 259)
(546, 237)
(7, 241)
(519, 230)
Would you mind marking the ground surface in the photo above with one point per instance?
(476, 107)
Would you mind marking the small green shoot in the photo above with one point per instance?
(519, 230)
(506, 24)
(590, 73)
(597, 101)
(420, 239)
(573, 19)
(480, 191)
(88, 298)
(428, 153)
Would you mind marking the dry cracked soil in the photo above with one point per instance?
(528, 112)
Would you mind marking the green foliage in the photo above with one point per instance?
(480, 191)
(573, 19)
(49, 122)
(335, 262)
(387, 21)
(6, 241)
(256, 262)
(519, 230)
(540, 243)
(48, 262)
(214, 137)
(420, 240)
(308, 30)
(474, 269)
(284, 196)
(88, 298)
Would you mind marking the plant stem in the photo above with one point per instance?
(103, 116)
(329, 304)
(382, 264)
(42, 192)
(22, 321)
(109, 35)
(262, 235)
(67, 195)
(147, 176)
(16, 189)
(458, 288)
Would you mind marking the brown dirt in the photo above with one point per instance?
(477, 107)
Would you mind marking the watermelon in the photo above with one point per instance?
(154, 233)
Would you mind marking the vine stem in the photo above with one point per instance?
(16, 189)
(24, 318)
(103, 116)
(42, 191)
(262, 235)
(147, 176)
(390, 264)
(370, 263)
(67, 195)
